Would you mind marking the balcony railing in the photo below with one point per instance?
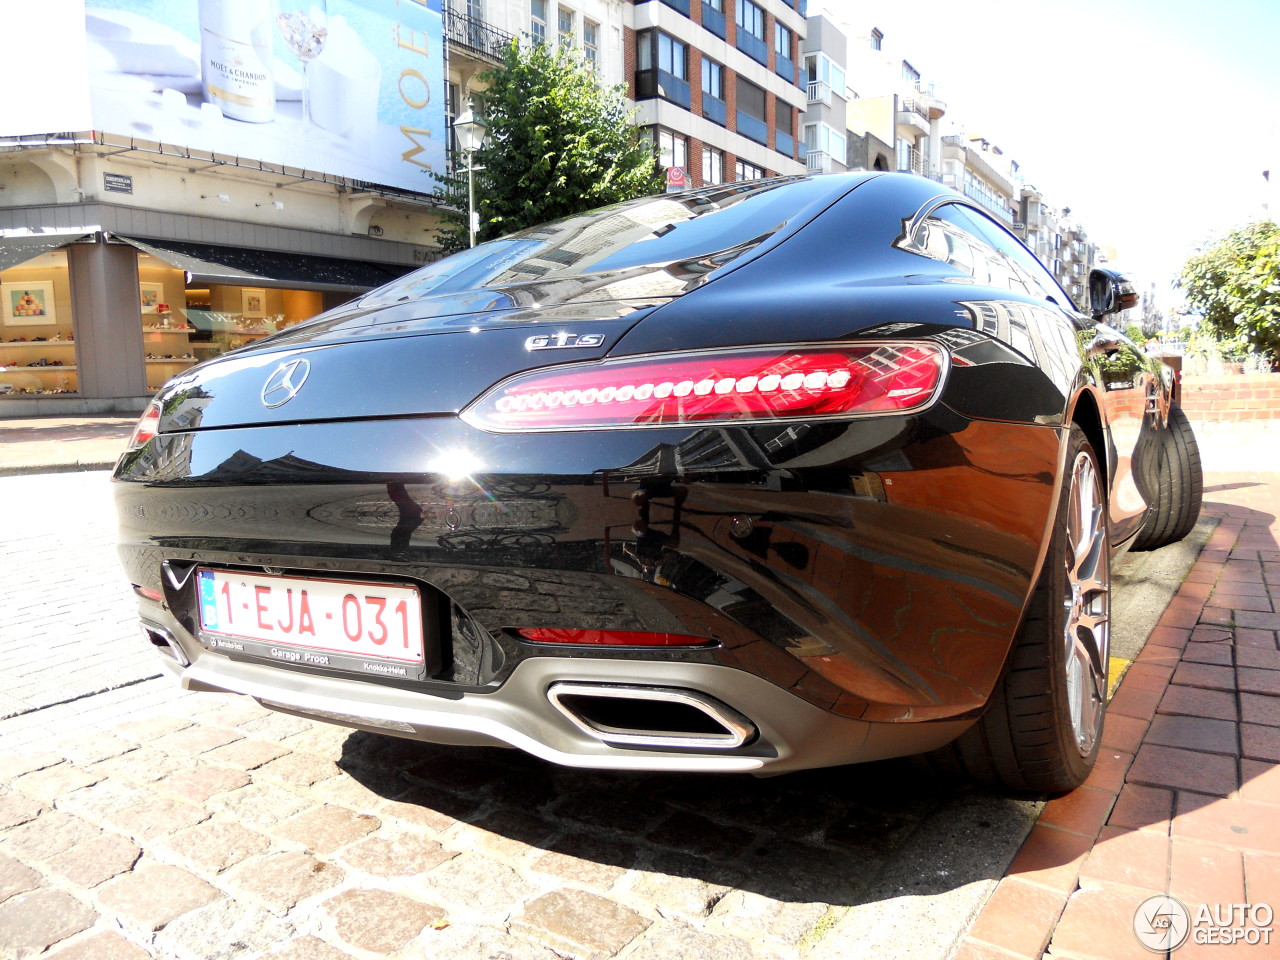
(784, 67)
(713, 20)
(910, 160)
(753, 128)
(714, 109)
(753, 47)
(476, 36)
(784, 143)
(914, 106)
(819, 92)
(671, 87)
(819, 161)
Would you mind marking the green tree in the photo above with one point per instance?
(558, 144)
(1236, 284)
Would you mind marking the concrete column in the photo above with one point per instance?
(935, 149)
(104, 297)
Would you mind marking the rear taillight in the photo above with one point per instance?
(723, 386)
(612, 638)
(147, 427)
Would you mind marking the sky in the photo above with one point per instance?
(1151, 119)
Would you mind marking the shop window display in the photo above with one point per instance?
(185, 322)
(37, 330)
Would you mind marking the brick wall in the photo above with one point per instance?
(629, 60)
(1249, 396)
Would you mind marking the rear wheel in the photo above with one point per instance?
(1172, 466)
(1043, 727)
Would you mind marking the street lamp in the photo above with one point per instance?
(470, 131)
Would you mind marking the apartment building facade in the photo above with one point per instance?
(717, 85)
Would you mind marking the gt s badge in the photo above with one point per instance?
(564, 341)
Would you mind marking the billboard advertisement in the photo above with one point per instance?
(350, 88)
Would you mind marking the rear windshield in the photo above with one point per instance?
(703, 229)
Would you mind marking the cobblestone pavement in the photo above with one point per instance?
(137, 820)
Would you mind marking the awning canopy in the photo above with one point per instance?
(16, 250)
(209, 263)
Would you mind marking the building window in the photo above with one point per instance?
(782, 40)
(673, 57)
(747, 171)
(673, 149)
(750, 39)
(910, 73)
(451, 102)
(751, 111)
(783, 141)
(713, 105)
(877, 39)
(712, 166)
(712, 78)
(825, 76)
(565, 24)
(751, 19)
(538, 20)
(591, 42)
(662, 68)
(820, 138)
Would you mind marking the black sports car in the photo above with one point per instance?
(756, 477)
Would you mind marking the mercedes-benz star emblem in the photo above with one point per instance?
(285, 382)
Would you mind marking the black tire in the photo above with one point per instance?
(1030, 739)
(1171, 463)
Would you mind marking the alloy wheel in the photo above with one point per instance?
(1087, 631)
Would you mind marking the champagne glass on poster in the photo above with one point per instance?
(304, 25)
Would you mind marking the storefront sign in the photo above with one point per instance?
(117, 183)
(229, 76)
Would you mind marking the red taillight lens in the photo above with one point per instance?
(724, 386)
(612, 638)
(147, 427)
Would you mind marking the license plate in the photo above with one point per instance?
(313, 621)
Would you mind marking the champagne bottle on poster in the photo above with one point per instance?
(235, 58)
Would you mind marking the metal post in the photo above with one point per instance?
(471, 200)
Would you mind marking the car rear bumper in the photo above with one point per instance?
(778, 731)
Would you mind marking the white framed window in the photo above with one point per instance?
(673, 149)
(538, 20)
(747, 171)
(818, 66)
(712, 165)
(591, 41)
(819, 136)
(564, 27)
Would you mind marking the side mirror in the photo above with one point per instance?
(1110, 292)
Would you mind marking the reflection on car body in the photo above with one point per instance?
(757, 477)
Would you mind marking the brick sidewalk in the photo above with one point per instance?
(1186, 796)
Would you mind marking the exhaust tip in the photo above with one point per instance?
(163, 641)
(662, 717)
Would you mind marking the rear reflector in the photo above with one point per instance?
(612, 638)
(722, 386)
(147, 426)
